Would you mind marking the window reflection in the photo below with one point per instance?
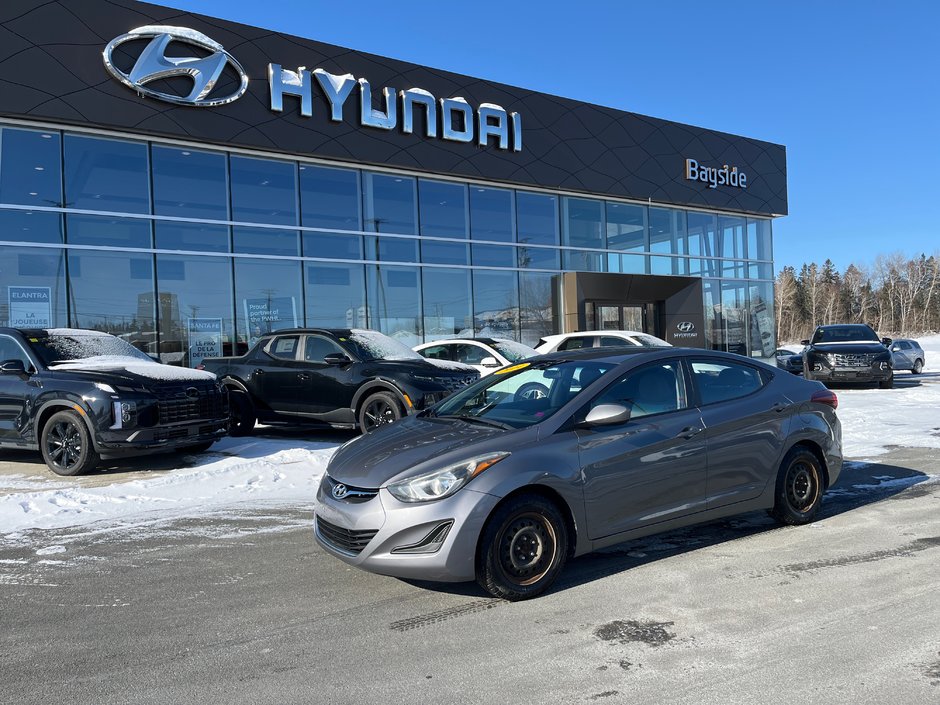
(265, 241)
(198, 237)
(761, 319)
(443, 209)
(584, 223)
(188, 183)
(31, 171)
(106, 175)
(125, 306)
(536, 314)
(390, 204)
(447, 310)
(263, 191)
(536, 218)
(537, 257)
(493, 256)
(195, 320)
(329, 198)
(33, 291)
(332, 245)
(436, 252)
(626, 227)
(106, 231)
(495, 304)
(395, 302)
(585, 261)
(267, 297)
(491, 215)
(336, 295)
(759, 243)
(30, 226)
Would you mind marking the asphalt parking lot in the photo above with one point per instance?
(220, 609)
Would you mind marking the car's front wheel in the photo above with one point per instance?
(887, 384)
(522, 549)
(918, 367)
(799, 488)
(379, 409)
(66, 445)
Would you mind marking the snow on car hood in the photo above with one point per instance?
(134, 366)
(450, 365)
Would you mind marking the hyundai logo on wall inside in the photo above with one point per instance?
(153, 64)
(685, 327)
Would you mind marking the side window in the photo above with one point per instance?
(284, 347)
(905, 345)
(719, 381)
(653, 389)
(316, 348)
(436, 352)
(11, 350)
(577, 343)
(469, 354)
(608, 341)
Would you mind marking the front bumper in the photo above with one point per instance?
(170, 437)
(852, 374)
(400, 525)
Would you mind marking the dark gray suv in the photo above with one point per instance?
(501, 486)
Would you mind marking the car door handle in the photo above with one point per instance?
(303, 375)
(689, 432)
(257, 371)
(779, 406)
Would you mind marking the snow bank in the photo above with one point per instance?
(237, 472)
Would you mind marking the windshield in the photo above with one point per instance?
(845, 334)
(522, 395)
(513, 351)
(64, 345)
(372, 345)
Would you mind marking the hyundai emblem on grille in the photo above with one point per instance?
(339, 491)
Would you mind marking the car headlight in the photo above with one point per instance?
(424, 378)
(444, 482)
(105, 387)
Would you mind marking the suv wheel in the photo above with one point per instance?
(241, 413)
(887, 384)
(66, 445)
(379, 409)
(918, 367)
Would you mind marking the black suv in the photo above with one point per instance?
(848, 353)
(340, 377)
(80, 395)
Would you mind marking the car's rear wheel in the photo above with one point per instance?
(799, 488)
(918, 367)
(241, 413)
(379, 409)
(887, 384)
(522, 549)
(66, 445)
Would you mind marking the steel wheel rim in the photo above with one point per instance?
(527, 546)
(802, 486)
(378, 412)
(64, 445)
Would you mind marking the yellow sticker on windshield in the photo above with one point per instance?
(34, 340)
(507, 370)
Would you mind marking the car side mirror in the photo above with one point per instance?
(607, 415)
(895, 348)
(804, 342)
(489, 362)
(337, 359)
(886, 341)
(13, 367)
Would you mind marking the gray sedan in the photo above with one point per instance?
(496, 485)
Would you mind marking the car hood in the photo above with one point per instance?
(404, 449)
(860, 347)
(127, 370)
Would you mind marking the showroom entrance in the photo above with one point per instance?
(669, 307)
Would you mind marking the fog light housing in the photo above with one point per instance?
(124, 414)
(429, 544)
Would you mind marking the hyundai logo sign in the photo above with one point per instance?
(685, 330)
(340, 490)
(153, 64)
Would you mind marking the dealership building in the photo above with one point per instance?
(190, 183)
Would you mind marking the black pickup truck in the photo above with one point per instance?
(848, 353)
(79, 396)
(345, 378)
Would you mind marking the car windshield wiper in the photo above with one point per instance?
(477, 419)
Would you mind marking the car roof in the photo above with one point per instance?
(484, 341)
(619, 333)
(340, 332)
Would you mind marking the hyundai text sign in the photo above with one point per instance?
(452, 118)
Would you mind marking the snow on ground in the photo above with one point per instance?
(245, 474)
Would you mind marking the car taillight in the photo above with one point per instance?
(827, 397)
(200, 366)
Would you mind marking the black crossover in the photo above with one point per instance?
(848, 353)
(340, 377)
(79, 396)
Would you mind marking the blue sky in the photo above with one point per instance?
(851, 88)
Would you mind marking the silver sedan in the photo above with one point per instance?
(499, 486)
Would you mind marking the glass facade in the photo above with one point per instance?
(155, 241)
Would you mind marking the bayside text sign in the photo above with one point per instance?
(715, 176)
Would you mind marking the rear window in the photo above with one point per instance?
(284, 347)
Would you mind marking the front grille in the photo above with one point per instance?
(347, 540)
(356, 495)
(179, 403)
(850, 360)
(452, 384)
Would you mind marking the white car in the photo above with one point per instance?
(598, 339)
(483, 354)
